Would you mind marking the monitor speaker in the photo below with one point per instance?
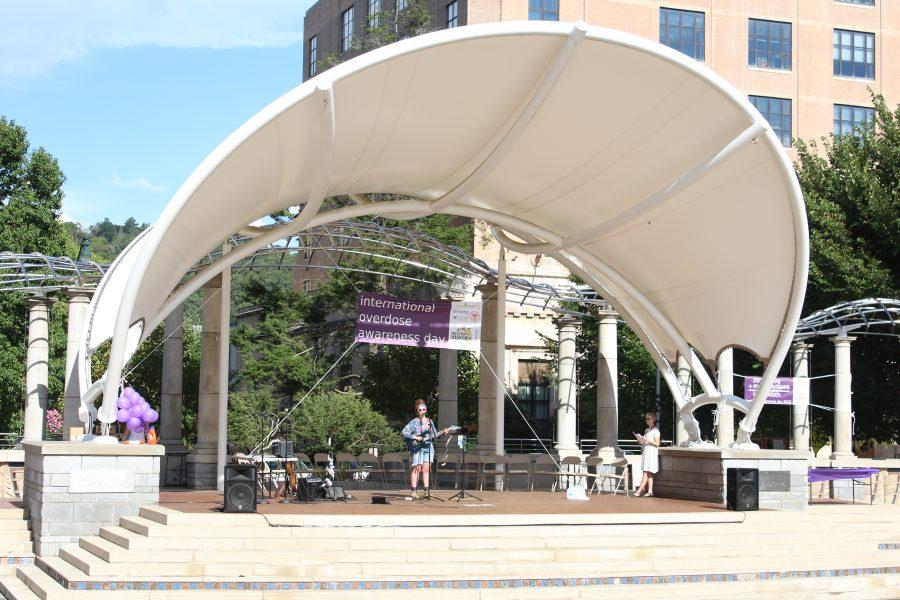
(742, 489)
(240, 488)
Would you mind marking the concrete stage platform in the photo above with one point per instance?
(605, 508)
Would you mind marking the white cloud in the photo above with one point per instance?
(38, 35)
(135, 183)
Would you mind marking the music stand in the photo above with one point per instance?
(461, 495)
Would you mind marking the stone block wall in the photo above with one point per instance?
(699, 474)
(73, 488)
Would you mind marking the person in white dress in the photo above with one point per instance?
(649, 456)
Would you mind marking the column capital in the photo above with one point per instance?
(78, 294)
(801, 346)
(488, 288)
(605, 315)
(842, 340)
(567, 322)
(40, 300)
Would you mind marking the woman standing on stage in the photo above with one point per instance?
(418, 434)
(649, 456)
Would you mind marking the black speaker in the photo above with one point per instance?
(240, 488)
(742, 491)
(284, 449)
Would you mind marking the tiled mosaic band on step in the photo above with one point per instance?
(456, 584)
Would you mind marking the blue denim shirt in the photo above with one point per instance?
(415, 427)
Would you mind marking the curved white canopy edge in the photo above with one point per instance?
(642, 170)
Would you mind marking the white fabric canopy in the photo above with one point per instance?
(638, 167)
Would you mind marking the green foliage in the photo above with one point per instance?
(30, 204)
(348, 419)
(383, 28)
(251, 414)
(107, 240)
(852, 190)
(396, 376)
(273, 355)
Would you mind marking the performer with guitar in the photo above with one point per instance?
(419, 434)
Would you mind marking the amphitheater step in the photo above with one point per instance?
(13, 588)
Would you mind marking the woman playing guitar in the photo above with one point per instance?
(418, 434)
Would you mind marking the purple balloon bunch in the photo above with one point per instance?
(135, 412)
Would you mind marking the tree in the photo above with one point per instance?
(30, 205)
(348, 419)
(395, 377)
(383, 28)
(851, 185)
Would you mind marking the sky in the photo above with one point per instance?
(130, 96)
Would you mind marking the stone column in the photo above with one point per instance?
(79, 302)
(201, 472)
(607, 387)
(487, 382)
(172, 391)
(448, 388)
(843, 404)
(567, 394)
(800, 407)
(725, 428)
(684, 382)
(37, 367)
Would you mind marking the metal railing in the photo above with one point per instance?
(529, 445)
(8, 440)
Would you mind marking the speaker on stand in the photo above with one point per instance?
(240, 488)
(742, 489)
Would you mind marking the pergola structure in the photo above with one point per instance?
(639, 169)
(840, 324)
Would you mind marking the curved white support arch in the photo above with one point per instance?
(386, 148)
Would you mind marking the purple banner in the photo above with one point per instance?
(427, 324)
(783, 391)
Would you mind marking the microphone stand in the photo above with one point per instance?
(461, 495)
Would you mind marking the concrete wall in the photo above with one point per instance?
(699, 474)
(72, 489)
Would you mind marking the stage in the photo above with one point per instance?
(491, 503)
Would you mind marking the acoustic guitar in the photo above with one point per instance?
(415, 445)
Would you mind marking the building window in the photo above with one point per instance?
(683, 30)
(770, 44)
(847, 119)
(374, 7)
(777, 112)
(401, 4)
(863, 2)
(306, 286)
(346, 29)
(453, 14)
(533, 389)
(543, 10)
(313, 55)
(854, 54)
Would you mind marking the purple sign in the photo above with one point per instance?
(427, 324)
(783, 391)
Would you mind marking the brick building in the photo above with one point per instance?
(806, 64)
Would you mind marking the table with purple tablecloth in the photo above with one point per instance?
(824, 474)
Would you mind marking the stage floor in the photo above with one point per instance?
(496, 503)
